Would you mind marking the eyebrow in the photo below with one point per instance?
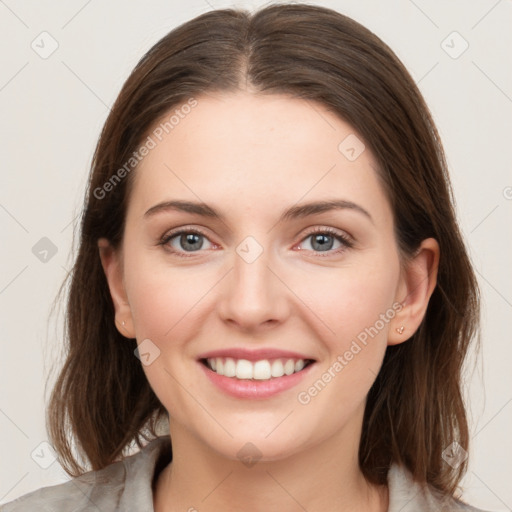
(294, 212)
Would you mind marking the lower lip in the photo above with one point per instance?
(249, 388)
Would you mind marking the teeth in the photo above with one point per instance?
(289, 367)
(259, 370)
(229, 367)
(244, 369)
(277, 369)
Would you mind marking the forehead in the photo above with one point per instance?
(242, 149)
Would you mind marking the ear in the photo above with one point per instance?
(111, 261)
(417, 282)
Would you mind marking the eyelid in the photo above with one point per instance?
(329, 230)
(178, 231)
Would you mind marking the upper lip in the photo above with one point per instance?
(253, 355)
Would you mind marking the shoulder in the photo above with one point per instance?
(123, 485)
(406, 495)
(90, 491)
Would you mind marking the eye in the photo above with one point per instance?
(323, 239)
(187, 240)
(191, 240)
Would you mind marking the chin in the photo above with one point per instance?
(250, 447)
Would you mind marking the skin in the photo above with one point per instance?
(251, 157)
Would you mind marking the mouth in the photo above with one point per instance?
(260, 370)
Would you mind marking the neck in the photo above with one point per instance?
(324, 477)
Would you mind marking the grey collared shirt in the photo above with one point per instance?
(127, 485)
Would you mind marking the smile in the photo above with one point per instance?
(257, 379)
(264, 369)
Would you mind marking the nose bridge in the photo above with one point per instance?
(253, 293)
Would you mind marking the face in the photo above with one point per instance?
(249, 289)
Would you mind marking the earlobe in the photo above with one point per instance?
(417, 283)
(111, 261)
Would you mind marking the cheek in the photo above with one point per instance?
(358, 308)
(352, 301)
(165, 303)
(163, 300)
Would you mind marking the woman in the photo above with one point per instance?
(270, 264)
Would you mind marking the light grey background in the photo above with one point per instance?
(53, 109)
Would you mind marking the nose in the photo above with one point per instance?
(254, 296)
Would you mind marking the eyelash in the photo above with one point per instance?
(347, 243)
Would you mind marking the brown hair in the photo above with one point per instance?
(102, 400)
